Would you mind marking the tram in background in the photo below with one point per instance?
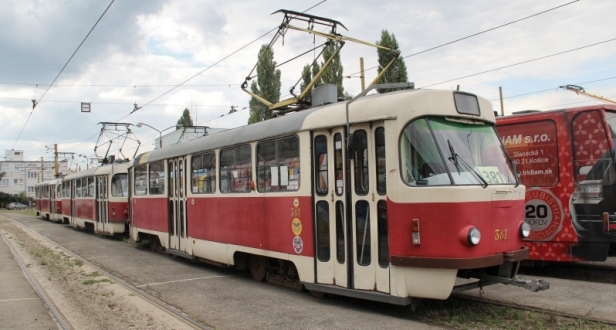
(566, 160)
(97, 199)
(393, 197)
(48, 201)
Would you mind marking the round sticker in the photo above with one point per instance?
(298, 244)
(544, 213)
(296, 225)
(296, 202)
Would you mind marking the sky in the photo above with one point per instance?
(169, 55)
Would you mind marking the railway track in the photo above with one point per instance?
(583, 271)
(62, 320)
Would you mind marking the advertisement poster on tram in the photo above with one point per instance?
(534, 149)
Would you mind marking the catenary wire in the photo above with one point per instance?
(34, 102)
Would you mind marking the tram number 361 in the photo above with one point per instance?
(500, 234)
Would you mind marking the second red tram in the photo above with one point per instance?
(48, 201)
(97, 199)
(393, 197)
(566, 159)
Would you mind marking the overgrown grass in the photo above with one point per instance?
(467, 314)
(90, 282)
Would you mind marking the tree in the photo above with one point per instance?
(333, 73)
(2, 174)
(397, 72)
(185, 120)
(267, 85)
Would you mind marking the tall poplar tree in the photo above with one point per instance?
(333, 73)
(267, 85)
(397, 72)
(185, 120)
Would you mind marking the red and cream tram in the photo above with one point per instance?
(422, 195)
(97, 199)
(48, 201)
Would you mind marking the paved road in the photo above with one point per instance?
(220, 298)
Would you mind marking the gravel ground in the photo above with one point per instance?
(86, 298)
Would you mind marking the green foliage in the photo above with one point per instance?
(185, 120)
(267, 85)
(2, 174)
(397, 72)
(21, 198)
(333, 73)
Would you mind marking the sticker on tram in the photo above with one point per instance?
(296, 225)
(490, 173)
(544, 213)
(298, 244)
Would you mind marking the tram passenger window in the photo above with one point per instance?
(141, 180)
(383, 234)
(338, 173)
(362, 239)
(235, 170)
(90, 188)
(379, 147)
(119, 185)
(361, 162)
(278, 165)
(157, 178)
(78, 188)
(204, 173)
(340, 247)
(323, 246)
(320, 159)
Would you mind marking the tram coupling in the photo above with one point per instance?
(532, 285)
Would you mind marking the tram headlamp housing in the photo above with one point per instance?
(473, 236)
(524, 229)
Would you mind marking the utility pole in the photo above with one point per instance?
(56, 165)
(361, 77)
(42, 175)
(500, 92)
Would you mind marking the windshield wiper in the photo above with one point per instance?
(454, 156)
(456, 159)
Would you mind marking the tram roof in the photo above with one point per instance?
(48, 183)
(101, 170)
(388, 106)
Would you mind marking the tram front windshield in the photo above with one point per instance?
(450, 151)
(603, 170)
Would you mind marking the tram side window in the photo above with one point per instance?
(157, 178)
(204, 173)
(90, 187)
(78, 188)
(323, 246)
(361, 162)
(320, 159)
(379, 147)
(278, 165)
(383, 234)
(235, 170)
(141, 180)
(338, 173)
(119, 185)
(591, 147)
(420, 161)
(362, 239)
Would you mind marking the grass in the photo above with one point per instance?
(90, 282)
(467, 314)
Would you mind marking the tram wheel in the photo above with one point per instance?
(154, 243)
(257, 267)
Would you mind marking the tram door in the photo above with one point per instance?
(330, 212)
(178, 238)
(52, 202)
(102, 204)
(369, 237)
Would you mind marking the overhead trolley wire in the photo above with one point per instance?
(523, 62)
(35, 102)
(476, 34)
(552, 89)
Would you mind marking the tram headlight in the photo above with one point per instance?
(473, 236)
(524, 229)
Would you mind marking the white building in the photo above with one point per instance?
(24, 175)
